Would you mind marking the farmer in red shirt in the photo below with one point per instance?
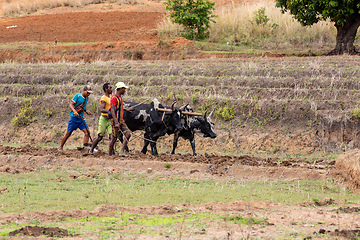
(118, 124)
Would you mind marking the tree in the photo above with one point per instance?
(194, 16)
(344, 13)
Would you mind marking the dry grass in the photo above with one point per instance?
(235, 24)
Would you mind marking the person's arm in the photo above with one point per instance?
(71, 105)
(116, 122)
(103, 110)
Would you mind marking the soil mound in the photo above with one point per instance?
(347, 167)
(181, 42)
(41, 231)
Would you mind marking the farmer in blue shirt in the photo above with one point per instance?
(78, 107)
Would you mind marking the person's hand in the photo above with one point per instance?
(88, 112)
(76, 114)
(117, 125)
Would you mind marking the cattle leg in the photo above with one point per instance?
(153, 146)
(192, 142)
(176, 138)
(146, 143)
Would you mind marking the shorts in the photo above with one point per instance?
(123, 128)
(76, 123)
(104, 125)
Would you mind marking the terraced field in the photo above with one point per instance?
(280, 123)
(286, 105)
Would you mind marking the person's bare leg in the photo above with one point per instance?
(95, 143)
(111, 145)
(63, 140)
(86, 137)
(125, 143)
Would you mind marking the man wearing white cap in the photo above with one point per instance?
(78, 107)
(118, 124)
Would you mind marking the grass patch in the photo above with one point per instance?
(127, 223)
(59, 189)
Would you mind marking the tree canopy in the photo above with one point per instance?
(194, 15)
(344, 13)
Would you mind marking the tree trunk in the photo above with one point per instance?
(345, 37)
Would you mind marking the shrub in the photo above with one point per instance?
(260, 17)
(356, 112)
(194, 16)
(25, 117)
(195, 98)
(227, 113)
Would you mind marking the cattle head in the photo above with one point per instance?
(174, 117)
(206, 126)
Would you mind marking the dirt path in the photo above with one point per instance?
(205, 166)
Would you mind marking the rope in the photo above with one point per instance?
(163, 120)
(135, 136)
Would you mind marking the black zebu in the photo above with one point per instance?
(191, 125)
(156, 123)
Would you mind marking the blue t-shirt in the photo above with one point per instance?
(78, 99)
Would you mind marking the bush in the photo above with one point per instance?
(194, 16)
(226, 113)
(25, 117)
(356, 112)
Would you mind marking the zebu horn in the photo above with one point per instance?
(205, 115)
(173, 106)
(183, 107)
(211, 114)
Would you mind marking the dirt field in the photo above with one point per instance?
(117, 34)
(283, 220)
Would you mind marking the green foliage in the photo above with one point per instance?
(194, 16)
(170, 96)
(195, 97)
(260, 17)
(180, 96)
(167, 165)
(26, 115)
(345, 15)
(356, 112)
(226, 113)
(308, 12)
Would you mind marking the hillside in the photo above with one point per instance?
(285, 105)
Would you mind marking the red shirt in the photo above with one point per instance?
(114, 101)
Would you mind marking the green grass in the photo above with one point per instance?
(132, 223)
(54, 190)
